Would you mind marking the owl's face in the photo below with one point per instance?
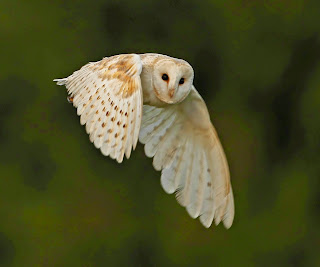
(172, 80)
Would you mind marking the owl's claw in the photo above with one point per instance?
(70, 99)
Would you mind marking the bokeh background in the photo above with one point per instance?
(257, 65)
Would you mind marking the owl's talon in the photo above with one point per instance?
(70, 99)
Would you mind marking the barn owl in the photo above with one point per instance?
(151, 98)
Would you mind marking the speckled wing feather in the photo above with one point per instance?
(108, 98)
(186, 148)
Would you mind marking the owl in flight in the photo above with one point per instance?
(151, 97)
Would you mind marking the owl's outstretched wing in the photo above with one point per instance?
(108, 98)
(186, 148)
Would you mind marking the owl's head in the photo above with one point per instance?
(172, 80)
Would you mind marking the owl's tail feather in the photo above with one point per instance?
(61, 81)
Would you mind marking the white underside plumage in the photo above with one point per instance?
(192, 166)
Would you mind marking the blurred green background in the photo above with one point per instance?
(257, 65)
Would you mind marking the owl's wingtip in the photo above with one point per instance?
(61, 81)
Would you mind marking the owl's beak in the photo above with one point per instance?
(171, 92)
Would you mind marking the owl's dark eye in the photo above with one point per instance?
(165, 77)
(181, 81)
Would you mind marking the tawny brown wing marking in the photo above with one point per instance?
(108, 98)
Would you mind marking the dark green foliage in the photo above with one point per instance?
(257, 65)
